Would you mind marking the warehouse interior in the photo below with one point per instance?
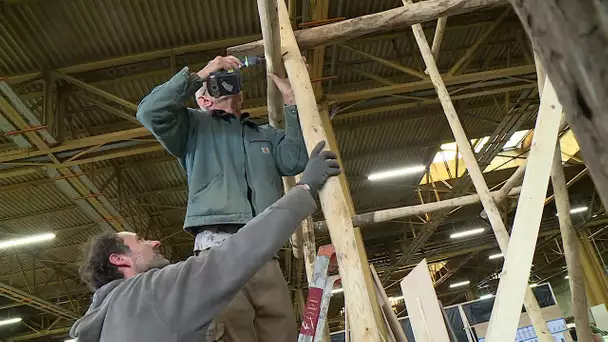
(74, 161)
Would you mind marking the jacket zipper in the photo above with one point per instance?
(249, 190)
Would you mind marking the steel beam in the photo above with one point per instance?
(39, 334)
(75, 187)
(30, 300)
(427, 84)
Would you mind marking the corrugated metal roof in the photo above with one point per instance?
(92, 31)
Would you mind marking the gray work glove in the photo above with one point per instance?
(321, 165)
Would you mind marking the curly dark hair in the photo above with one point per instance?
(96, 269)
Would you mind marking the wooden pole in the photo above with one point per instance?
(576, 275)
(386, 215)
(511, 183)
(272, 53)
(513, 285)
(498, 226)
(267, 10)
(438, 37)
(570, 38)
(358, 297)
(303, 239)
(383, 21)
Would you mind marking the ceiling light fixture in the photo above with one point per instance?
(459, 284)
(26, 240)
(495, 256)
(396, 172)
(486, 296)
(577, 210)
(467, 233)
(10, 321)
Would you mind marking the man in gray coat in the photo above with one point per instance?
(234, 168)
(140, 297)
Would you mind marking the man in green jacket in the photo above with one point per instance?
(139, 297)
(234, 168)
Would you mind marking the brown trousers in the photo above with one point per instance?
(260, 312)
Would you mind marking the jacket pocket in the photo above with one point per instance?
(203, 184)
(261, 147)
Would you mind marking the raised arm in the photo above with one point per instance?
(290, 150)
(190, 294)
(163, 112)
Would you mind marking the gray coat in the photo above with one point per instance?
(178, 302)
(234, 166)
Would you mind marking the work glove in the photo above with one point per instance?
(321, 165)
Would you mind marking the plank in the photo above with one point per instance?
(513, 284)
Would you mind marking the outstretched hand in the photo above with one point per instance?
(321, 165)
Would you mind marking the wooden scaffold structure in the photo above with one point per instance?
(570, 39)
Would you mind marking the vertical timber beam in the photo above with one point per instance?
(438, 37)
(271, 35)
(333, 145)
(319, 10)
(576, 274)
(513, 283)
(502, 236)
(359, 298)
(570, 37)
(272, 52)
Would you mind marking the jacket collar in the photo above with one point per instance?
(245, 118)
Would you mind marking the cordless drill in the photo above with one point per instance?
(229, 82)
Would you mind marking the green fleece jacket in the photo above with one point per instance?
(234, 166)
(178, 302)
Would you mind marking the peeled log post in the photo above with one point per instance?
(511, 183)
(459, 135)
(372, 23)
(576, 275)
(359, 298)
(386, 215)
(571, 39)
(438, 37)
(271, 35)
